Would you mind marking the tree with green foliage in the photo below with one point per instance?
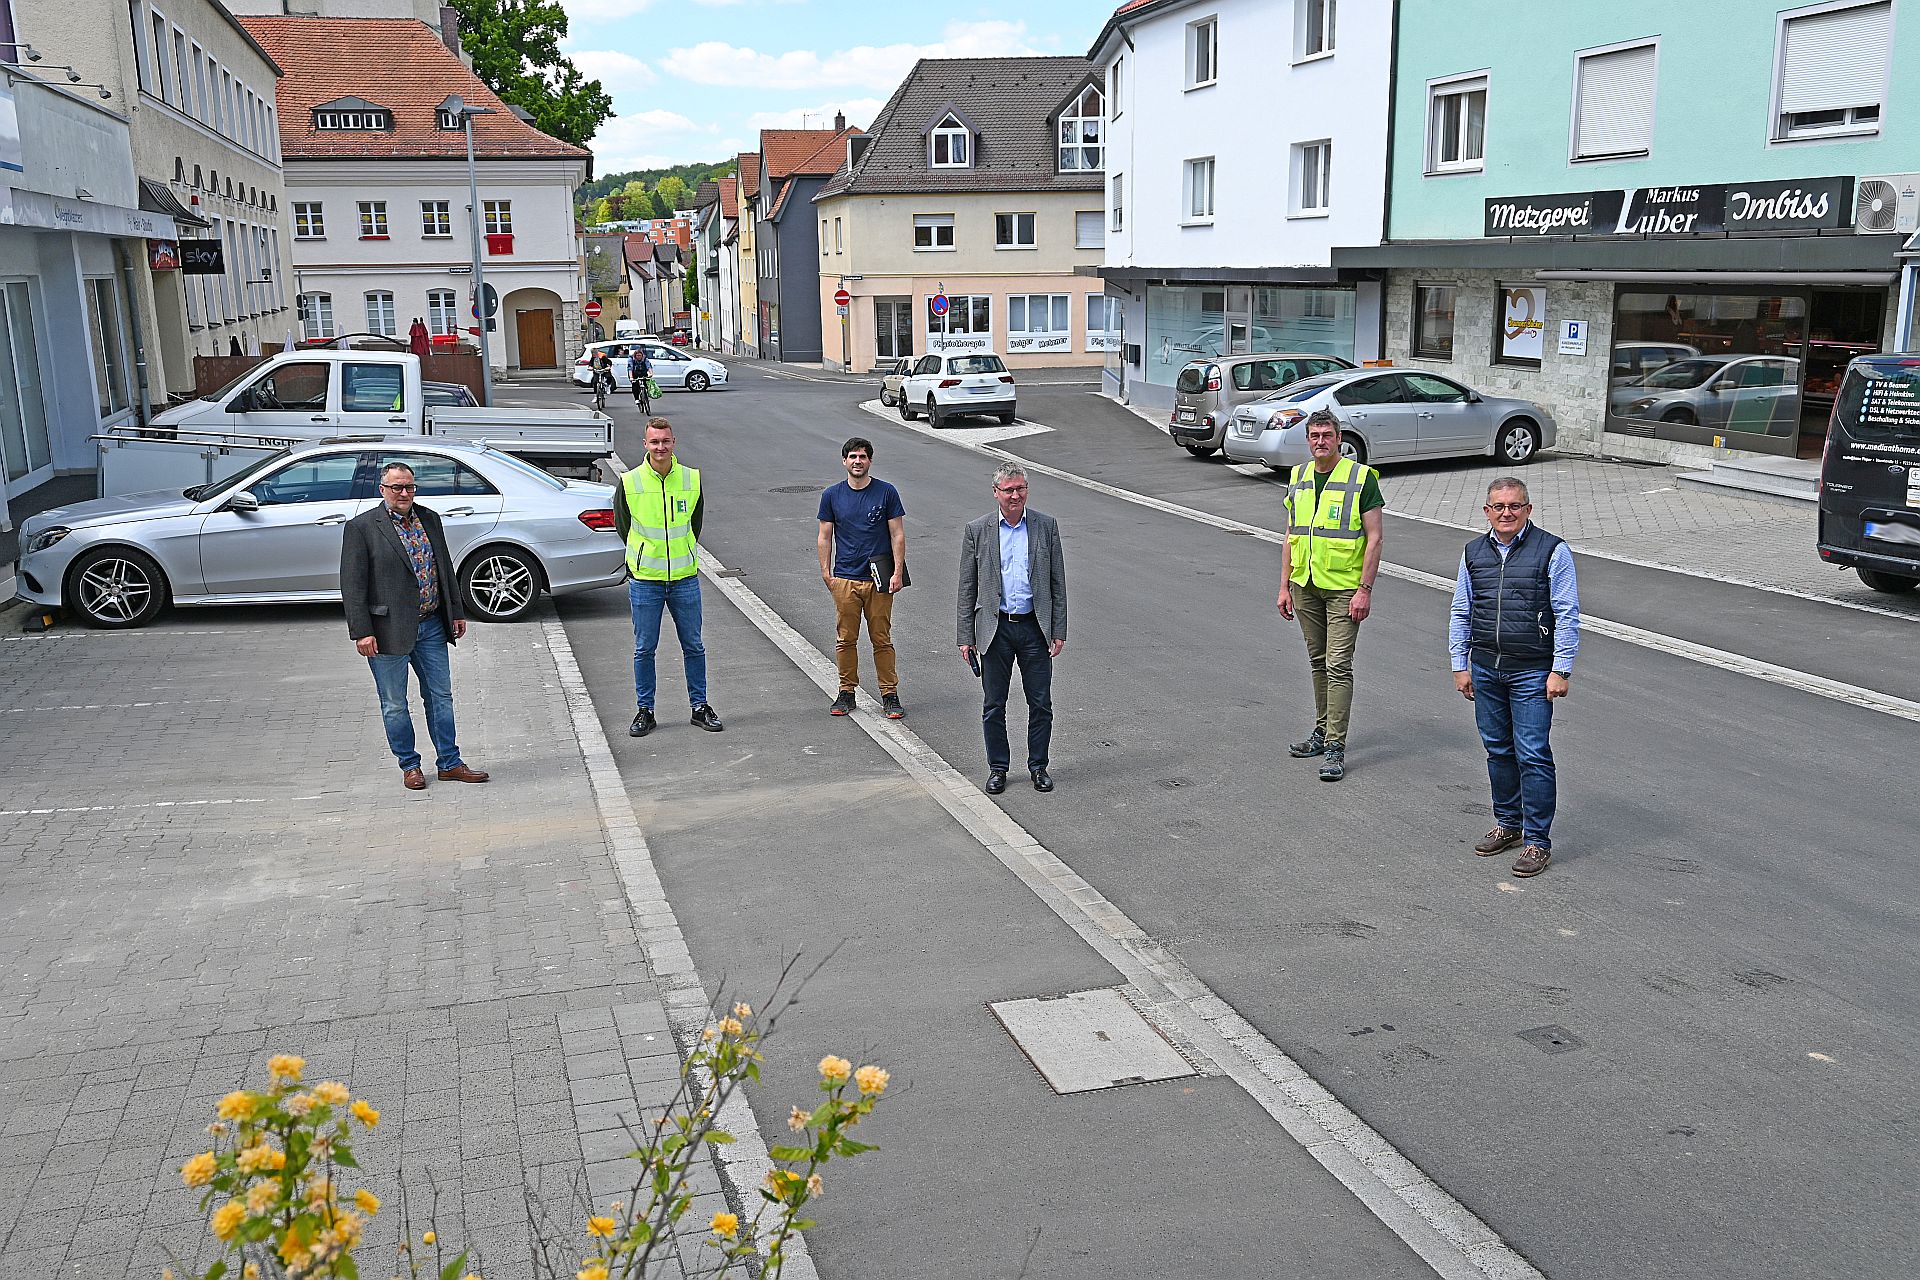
(670, 193)
(639, 201)
(515, 47)
(690, 290)
(602, 212)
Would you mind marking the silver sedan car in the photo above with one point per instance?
(270, 534)
(1389, 415)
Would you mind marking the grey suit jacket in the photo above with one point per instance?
(377, 585)
(979, 613)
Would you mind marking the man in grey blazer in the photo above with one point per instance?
(1013, 609)
(403, 610)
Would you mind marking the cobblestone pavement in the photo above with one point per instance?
(206, 857)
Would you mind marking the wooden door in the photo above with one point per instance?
(536, 338)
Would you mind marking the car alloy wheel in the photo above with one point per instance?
(115, 588)
(1351, 446)
(1518, 440)
(501, 584)
(906, 410)
(933, 412)
(697, 381)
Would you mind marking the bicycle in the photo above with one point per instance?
(642, 394)
(602, 383)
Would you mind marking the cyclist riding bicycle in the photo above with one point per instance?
(640, 370)
(601, 368)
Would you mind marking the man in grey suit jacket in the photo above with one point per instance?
(403, 610)
(1013, 609)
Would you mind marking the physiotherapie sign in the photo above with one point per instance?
(1801, 204)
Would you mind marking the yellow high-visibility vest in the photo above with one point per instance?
(1328, 541)
(660, 545)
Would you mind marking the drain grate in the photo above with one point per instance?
(1552, 1039)
(1087, 1040)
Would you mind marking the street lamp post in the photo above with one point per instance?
(455, 105)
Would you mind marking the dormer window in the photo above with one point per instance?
(1083, 132)
(949, 146)
(352, 114)
(448, 120)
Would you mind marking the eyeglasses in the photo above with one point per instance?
(400, 488)
(1502, 508)
(1013, 491)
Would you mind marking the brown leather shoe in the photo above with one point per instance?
(1497, 839)
(461, 773)
(1532, 860)
(414, 780)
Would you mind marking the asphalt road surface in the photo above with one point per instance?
(1721, 954)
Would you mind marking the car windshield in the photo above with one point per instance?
(526, 469)
(245, 469)
(1305, 389)
(1682, 373)
(975, 364)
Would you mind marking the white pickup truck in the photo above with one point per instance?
(302, 396)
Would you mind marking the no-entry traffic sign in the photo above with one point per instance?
(593, 310)
(841, 297)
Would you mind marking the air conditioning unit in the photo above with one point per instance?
(1886, 204)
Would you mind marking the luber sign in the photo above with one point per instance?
(1802, 204)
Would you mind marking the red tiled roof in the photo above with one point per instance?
(395, 63)
(730, 197)
(748, 164)
(811, 151)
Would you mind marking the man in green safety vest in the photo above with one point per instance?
(657, 514)
(1333, 556)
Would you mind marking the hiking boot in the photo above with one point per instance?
(843, 705)
(1315, 744)
(1334, 766)
(890, 703)
(1496, 840)
(1532, 860)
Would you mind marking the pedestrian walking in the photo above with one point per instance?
(1513, 634)
(863, 561)
(658, 511)
(1013, 610)
(403, 612)
(1334, 532)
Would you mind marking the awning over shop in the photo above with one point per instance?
(1774, 255)
(43, 212)
(157, 197)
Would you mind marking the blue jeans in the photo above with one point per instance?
(682, 599)
(1017, 642)
(1515, 717)
(429, 661)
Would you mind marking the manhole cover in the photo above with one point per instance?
(798, 488)
(1552, 1039)
(1087, 1040)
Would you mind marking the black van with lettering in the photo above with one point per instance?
(1870, 474)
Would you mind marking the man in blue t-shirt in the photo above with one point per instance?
(863, 561)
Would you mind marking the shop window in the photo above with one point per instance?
(1737, 367)
(1433, 321)
(1103, 323)
(1039, 322)
(966, 314)
(1833, 65)
(1184, 322)
(108, 335)
(1613, 99)
(1293, 318)
(24, 445)
(1457, 125)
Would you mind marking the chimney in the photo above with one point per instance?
(839, 121)
(450, 31)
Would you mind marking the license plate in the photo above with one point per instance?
(1186, 415)
(1245, 429)
(978, 391)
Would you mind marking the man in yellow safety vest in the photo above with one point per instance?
(657, 514)
(1333, 555)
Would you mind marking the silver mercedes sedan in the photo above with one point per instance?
(270, 533)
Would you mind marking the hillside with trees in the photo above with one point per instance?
(647, 193)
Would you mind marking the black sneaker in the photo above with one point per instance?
(707, 718)
(1334, 767)
(1315, 744)
(843, 705)
(643, 723)
(890, 703)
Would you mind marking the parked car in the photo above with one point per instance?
(269, 533)
(1747, 391)
(949, 384)
(448, 394)
(681, 337)
(1637, 359)
(1389, 415)
(1206, 392)
(1869, 483)
(673, 369)
(892, 372)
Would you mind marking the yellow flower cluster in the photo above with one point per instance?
(287, 1067)
(731, 1026)
(238, 1105)
(835, 1070)
(227, 1219)
(260, 1197)
(591, 1269)
(262, 1158)
(331, 1092)
(871, 1080)
(743, 1011)
(725, 1224)
(199, 1171)
(363, 1112)
(369, 1203)
(600, 1225)
(797, 1120)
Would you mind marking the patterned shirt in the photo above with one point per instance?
(413, 536)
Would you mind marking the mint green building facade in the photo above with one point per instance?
(1669, 223)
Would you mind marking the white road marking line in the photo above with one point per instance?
(1739, 664)
(115, 706)
(746, 1160)
(1443, 1232)
(153, 804)
(958, 435)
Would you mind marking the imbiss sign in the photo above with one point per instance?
(1804, 204)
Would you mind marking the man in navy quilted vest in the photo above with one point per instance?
(1514, 633)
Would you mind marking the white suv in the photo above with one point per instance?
(947, 384)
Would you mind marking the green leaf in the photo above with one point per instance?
(215, 1271)
(672, 1145)
(790, 1153)
(344, 1158)
(347, 1267)
(453, 1269)
(719, 1137)
(848, 1147)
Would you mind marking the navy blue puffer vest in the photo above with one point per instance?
(1512, 613)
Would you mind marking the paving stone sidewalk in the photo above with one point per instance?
(206, 858)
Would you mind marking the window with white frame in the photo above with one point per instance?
(436, 219)
(1312, 178)
(1613, 96)
(1013, 231)
(932, 231)
(450, 121)
(966, 313)
(1089, 229)
(1083, 132)
(316, 315)
(1315, 34)
(1116, 84)
(1457, 125)
(309, 220)
(380, 313)
(839, 241)
(1196, 188)
(1203, 52)
(499, 216)
(1119, 202)
(373, 219)
(347, 121)
(949, 146)
(1103, 323)
(1044, 316)
(1832, 77)
(182, 73)
(823, 237)
(443, 311)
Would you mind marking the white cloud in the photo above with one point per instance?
(654, 140)
(616, 71)
(878, 67)
(859, 111)
(602, 10)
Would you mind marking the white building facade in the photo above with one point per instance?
(1245, 139)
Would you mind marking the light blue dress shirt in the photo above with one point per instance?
(1016, 580)
(1562, 590)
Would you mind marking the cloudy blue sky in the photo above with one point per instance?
(696, 80)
